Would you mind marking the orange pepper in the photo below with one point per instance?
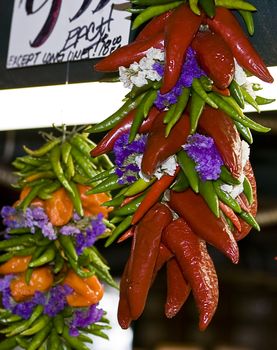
(86, 291)
(59, 208)
(16, 264)
(92, 202)
(41, 280)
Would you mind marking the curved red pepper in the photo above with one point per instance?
(214, 57)
(158, 147)
(163, 256)
(107, 143)
(230, 214)
(197, 267)
(245, 227)
(221, 128)
(180, 29)
(147, 239)
(155, 25)
(225, 24)
(128, 54)
(194, 210)
(178, 289)
(123, 311)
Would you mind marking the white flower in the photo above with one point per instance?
(124, 75)
(167, 167)
(155, 54)
(245, 152)
(240, 76)
(233, 191)
(139, 79)
(146, 63)
(153, 75)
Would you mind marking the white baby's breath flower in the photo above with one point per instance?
(155, 54)
(233, 191)
(134, 67)
(167, 167)
(245, 152)
(146, 63)
(240, 76)
(249, 88)
(139, 79)
(125, 77)
(153, 75)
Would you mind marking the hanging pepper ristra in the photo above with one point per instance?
(214, 57)
(225, 24)
(177, 40)
(126, 55)
(191, 207)
(159, 147)
(222, 129)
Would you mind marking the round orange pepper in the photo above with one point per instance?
(16, 264)
(41, 280)
(86, 291)
(59, 208)
(92, 203)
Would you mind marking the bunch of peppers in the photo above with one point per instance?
(52, 274)
(171, 217)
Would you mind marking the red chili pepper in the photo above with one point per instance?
(214, 57)
(222, 129)
(194, 210)
(197, 267)
(163, 256)
(159, 147)
(242, 202)
(230, 214)
(108, 141)
(153, 195)
(155, 25)
(178, 288)
(127, 234)
(123, 311)
(225, 24)
(225, 92)
(245, 227)
(142, 261)
(128, 54)
(180, 29)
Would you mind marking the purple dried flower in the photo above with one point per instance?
(7, 299)
(5, 282)
(69, 230)
(49, 231)
(57, 300)
(203, 151)
(24, 309)
(85, 318)
(12, 218)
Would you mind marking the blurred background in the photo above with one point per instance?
(246, 318)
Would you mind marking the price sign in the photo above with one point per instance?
(55, 31)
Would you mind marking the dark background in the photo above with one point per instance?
(246, 317)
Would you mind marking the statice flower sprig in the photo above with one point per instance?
(202, 150)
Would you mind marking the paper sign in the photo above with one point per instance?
(55, 31)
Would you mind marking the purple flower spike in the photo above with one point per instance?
(206, 156)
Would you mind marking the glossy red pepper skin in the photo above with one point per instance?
(225, 24)
(158, 147)
(197, 267)
(180, 29)
(123, 311)
(163, 256)
(157, 24)
(222, 129)
(194, 210)
(178, 289)
(245, 227)
(230, 214)
(130, 53)
(146, 244)
(214, 57)
(108, 141)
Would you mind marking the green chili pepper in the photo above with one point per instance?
(20, 230)
(225, 197)
(122, 227)
(227, 177)
(249, 99)
(116, 219)
(54, 341)
(236, 93)
(70, 168)
(83, 162)
(55, 159)
(116, 117)
(79, 179)
(40, 323)
(34, 161)
(109, 184)
(58, 263)
(42, 150)
(135, 10)
(138, 186)
(263, 101)
(40, 336)
(26, 251)
(208, 6)
(105, 162)
(85, 338)
(73, 341)
(8, 344)
(234, 114)
(248, 20)
(45, 258)
(79, 270)
(194, 7)
(68, 246)
(115, 202)
(10, 319)
(76, 199)
(196, 108)
(188, 167)
(244, 132)
(236, 5)
(247, 190)
(233, 103)
(22, 342)
(150, 2)
(198, 88)
(169, 113)
(30, 196)
(249, 218)
(206, 83)
(38, 252)
(131, 207)
(137, 90)
(24, 240)
(81, 144)
(181, 183)
(153, 11)
(6, 256)
(65, 150)
(207, 191)
(58, 321)
(179, 109)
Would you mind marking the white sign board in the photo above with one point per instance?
(55, 31)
